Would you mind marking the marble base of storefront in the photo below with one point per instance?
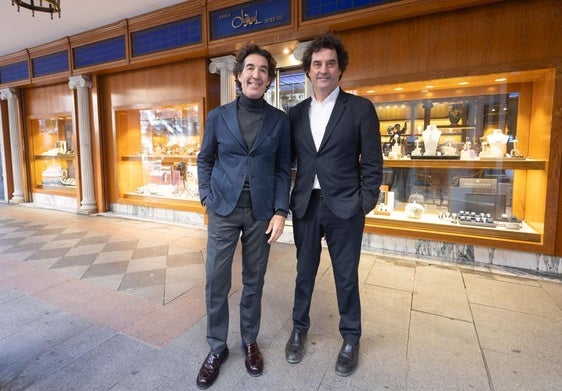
(54, 201)
(418, 249)
(462, 253)
(158, 214)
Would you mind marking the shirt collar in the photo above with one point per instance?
(329, 99)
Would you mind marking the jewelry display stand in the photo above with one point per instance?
(431, 137)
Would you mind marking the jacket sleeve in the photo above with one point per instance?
(283, 168)
(371, 157)
(206, 157)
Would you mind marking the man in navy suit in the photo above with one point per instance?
(244, 172)
(336, 145)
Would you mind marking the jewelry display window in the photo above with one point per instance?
(157, 151)
(465, 157)
(53, 159)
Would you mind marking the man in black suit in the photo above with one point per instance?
(336, 145)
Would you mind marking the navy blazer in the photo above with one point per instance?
(348, 163)
(225, 161)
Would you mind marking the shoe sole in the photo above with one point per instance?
(254, 374)
(293, 360)
(345, 374)
(250, 372)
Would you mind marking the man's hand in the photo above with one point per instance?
(275, 228)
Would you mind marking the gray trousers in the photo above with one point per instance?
(223, 235)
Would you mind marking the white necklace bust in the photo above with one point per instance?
(431, 137)
(497, 141)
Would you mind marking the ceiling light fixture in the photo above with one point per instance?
(51, 7)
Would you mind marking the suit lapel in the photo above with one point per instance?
(335, 117)
(305, 120)
(230, 118)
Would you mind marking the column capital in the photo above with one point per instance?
(220, 64)
(8, 93)
(79, 81)
(299, 50)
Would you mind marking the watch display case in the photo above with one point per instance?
(157, 151)
(53, 158)
(462, 159)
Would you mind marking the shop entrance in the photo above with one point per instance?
(289, 88)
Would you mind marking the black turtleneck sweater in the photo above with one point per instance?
(250, 117)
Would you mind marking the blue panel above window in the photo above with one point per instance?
(313, 9)
(100, 52)
(14, 72)
(249, 17)
(168, 36)
(49, 64)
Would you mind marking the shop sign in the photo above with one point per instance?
(249, 17)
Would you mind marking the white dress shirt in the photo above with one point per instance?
(319, 115)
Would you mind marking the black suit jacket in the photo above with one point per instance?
(348, 163)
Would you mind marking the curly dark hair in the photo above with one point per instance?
(326, 41)
(244, 52)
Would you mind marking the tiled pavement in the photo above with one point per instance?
(157, 270)
(99, 303)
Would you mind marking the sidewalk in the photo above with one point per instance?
(100, 303)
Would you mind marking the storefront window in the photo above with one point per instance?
(53, 160)
(458, 156)
(157, 149)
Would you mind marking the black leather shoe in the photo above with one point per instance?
(347, 359)
(254, 359)
(294, 350)
(210, 369)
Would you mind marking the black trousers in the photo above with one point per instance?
(343, 237)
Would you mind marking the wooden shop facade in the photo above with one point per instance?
(110, 120)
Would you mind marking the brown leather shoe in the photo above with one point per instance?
(210, 369)
(254, 359)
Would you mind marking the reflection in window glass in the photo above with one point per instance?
(288, 90)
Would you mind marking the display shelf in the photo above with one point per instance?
(56, 190)
(501, 164)
(161, 202)
(165, 158)
(61, 156)
(177, 196)
(431, 223)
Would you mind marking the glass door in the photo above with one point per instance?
(290, 88)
